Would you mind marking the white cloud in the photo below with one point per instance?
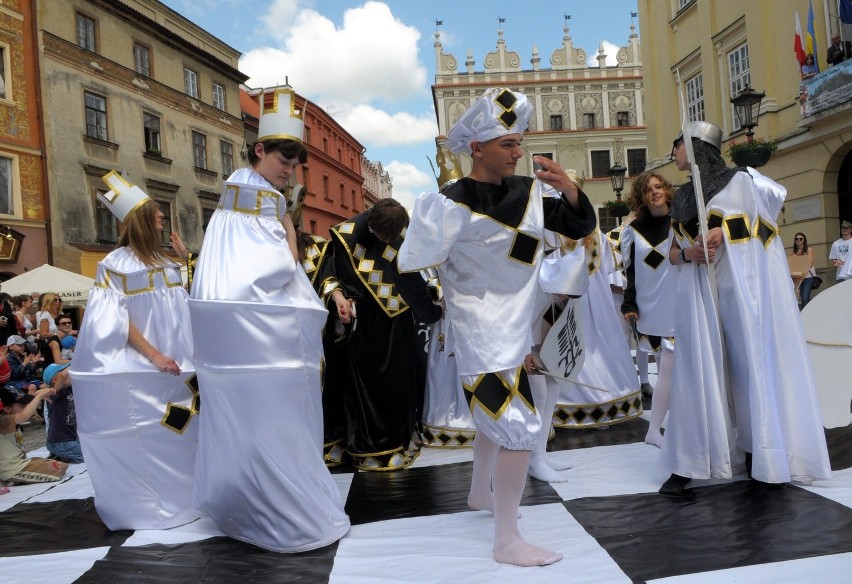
(371, 57)
(408, 182)
(376, 128)
(611, 51)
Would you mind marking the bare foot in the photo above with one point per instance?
(525, 554)
(654, 438)
(481, 502)
(542, 471)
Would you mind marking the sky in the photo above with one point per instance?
(371, 64)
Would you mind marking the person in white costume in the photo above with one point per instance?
(617, 282)
(485, 237)
(650, 291)
(748, 345)
(608, 390)
(134, 383)
(257, 324)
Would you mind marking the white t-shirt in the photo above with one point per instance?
(840, 251)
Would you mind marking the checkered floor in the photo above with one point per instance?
(413, 526)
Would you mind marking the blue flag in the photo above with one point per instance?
(810, 38)
(845, 10)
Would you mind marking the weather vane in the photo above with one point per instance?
(437, 24)
(500, 21)
(567, 17)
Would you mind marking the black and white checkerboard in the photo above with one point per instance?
(414, 526)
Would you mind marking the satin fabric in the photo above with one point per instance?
(654, 288)
(142, 471)
(608, 362)
(256, 325)
(769, 374)
(446, 415)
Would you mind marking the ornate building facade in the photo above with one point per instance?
(24, 206)
(133, 86)
(720, 47)
(377, 182)
(586, 116)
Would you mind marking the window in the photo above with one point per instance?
(85, 32)
(166, 209)
(325, 192)
(738, 72)
(325, 145)
(354, 202)
(622, 119)
(96, 120)
(556, 122)
(219, 96)
(695, 99)
(313, 226)
(606, 222)
(142, 59)
(307, 135)
(151, 126)
(342, 195)
(588, 121)
(7, 193)
(190, 82)
(635, 161)
(227, 150)
(199, 150)
(600, 163)
(5, 88)
(105, 222)
(206, 216)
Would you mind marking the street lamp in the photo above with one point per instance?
(747, 106)
(616, 176)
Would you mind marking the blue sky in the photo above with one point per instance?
(371, 64)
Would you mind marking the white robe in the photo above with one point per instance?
(765, 366)
(258, 352)
(141, 468)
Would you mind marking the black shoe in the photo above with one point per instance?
(674, 486)
(748, 464)
(647, 389)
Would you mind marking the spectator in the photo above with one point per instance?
(8, 324)
(22, 366)
(15, 467)
(840, 250)
(800, 248)
(51, 348)
(809, 69)
(49, 307)
(62, 440)
(67, 344)
(836, 52)
(23, 304)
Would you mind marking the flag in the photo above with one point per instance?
(845, 9)
(810, 38)
(798, 46)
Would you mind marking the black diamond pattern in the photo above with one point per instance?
(508, 118)
(506, 99)
(654, 259)
(177, 417)
(524, 248)
(765, 232)
(738, 228)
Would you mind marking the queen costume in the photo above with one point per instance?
(136, 424)
(257, 326)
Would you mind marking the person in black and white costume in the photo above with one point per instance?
(650, 290)
(485, 237)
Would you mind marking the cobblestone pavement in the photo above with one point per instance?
(34, 436)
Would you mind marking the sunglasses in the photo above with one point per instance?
(64, 323)
(800, 239)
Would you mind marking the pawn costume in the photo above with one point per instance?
(257, 325)
(137, 426)
(610, 394)
(759, 356)
(320, 273)
(382, 391)
(651, 280)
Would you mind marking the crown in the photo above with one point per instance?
(450, 166)
(279, 119)
(123, 197)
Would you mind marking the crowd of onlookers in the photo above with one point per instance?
(35, 386)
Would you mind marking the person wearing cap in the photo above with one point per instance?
(485, 234)
(257, 325)
(15, 466)
(134, 386)
(63, 443)
(749, 345)
(22, 365)
(839, 252)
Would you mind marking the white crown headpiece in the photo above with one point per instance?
(123, 197)
(279, 119)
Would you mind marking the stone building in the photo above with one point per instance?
(132, 85)
(720, 47)
(586, 116)
(377, 182)
(24, 206)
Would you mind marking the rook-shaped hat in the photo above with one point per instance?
(123, 197)
(279, 119)
(497, 112)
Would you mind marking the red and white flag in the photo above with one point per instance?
(798, 43)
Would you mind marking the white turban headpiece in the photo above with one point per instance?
(497, 112)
